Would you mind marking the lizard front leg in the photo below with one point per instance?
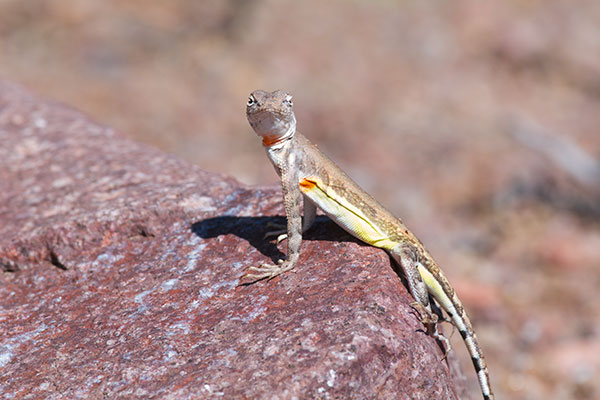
(310, 213)
(291, 199)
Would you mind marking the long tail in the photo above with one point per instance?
(444, 293)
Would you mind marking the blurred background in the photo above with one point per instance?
(476, 122)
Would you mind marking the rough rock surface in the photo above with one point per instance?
(120, 271)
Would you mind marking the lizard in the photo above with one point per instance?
(309, 176)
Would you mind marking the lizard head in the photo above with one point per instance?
(271, 116)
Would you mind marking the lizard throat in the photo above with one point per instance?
(277, 140)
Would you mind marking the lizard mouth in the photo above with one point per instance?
(269, 123)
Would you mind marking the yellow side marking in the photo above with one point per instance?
(436, 289)
(345, 214)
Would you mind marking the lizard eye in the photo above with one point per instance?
(288, 101)
(251, 101)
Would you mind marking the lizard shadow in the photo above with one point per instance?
(253, 229)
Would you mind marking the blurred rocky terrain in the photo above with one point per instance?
(453, 114)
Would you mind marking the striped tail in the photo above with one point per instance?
(444, 294)
(470, 339)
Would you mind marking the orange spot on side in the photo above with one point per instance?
(306, 185)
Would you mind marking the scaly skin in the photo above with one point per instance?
(308, 174)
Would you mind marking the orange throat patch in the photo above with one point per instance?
(270, 140)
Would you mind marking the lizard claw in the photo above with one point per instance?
(427, 316)
(266, 271)
(443, 339)
(281, 238)
(430, 320)
(278, 230)
(281, 235)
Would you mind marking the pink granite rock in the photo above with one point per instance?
(120, 279)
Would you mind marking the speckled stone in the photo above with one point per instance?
(120, 279)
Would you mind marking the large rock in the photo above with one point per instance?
(121, 271)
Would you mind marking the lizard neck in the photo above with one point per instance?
(277, 141)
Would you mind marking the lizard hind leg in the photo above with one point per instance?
(435, 333)
(430, 318)
(406, 255)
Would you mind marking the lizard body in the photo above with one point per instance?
(308, 175)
